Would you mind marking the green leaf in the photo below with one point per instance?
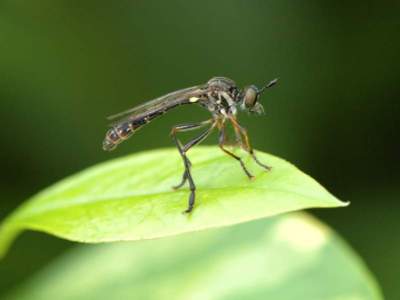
(282, 258)
(131, 198)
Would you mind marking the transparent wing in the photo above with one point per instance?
(165, 102)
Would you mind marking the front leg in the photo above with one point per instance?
(222, 146)
(247, 145)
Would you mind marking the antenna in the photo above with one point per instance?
(270, 84)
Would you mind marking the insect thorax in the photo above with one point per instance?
(222, 96)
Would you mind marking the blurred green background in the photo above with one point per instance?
(65, 65)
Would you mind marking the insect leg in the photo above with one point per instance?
(222, 144)
(247, 144)
(183, 181)
(238, 136)
(183, 149)
(184, 128)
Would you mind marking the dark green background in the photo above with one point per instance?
(65, 65)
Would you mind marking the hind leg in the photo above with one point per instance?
(187, 176)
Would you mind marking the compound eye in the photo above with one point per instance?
(250, 96)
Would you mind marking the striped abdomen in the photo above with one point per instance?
(122, 131)
(118, 134)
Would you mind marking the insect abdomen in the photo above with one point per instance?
(123, 131)
(118, 134)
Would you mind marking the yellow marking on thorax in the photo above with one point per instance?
(193, 99)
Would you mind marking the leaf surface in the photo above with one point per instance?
(131, 198)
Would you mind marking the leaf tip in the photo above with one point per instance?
(345, 203)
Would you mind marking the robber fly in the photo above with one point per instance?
(220, 96)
